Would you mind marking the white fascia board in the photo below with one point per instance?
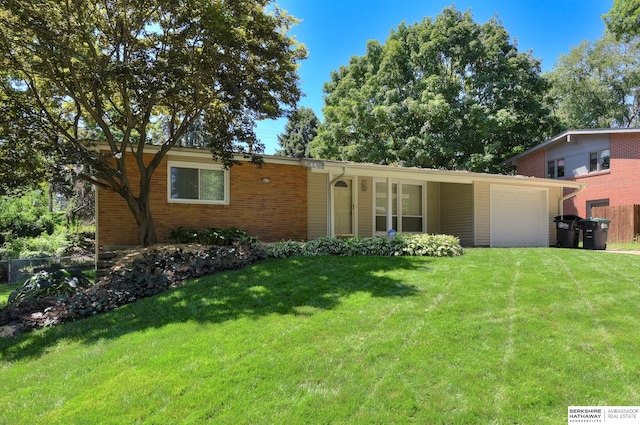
(441, 176)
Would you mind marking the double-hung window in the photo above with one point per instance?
(197, 183)
(406, 207)
(599, 161)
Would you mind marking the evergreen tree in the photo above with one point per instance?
(301, 129)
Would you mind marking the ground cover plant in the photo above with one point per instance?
(494, 336)
(423, 245)
(49, 299)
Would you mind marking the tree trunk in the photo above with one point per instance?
(141, 209)
(146, 228)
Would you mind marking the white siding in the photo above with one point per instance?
(317, 205)
(482, 213)
(433, 207)
(365, 205)
(456, 211)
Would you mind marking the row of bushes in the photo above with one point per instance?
(399, 245)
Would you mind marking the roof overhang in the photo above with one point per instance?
(566, 137)
(374, 170)
(432, 175)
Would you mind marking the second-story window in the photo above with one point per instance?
(599, 161)
(555, 168)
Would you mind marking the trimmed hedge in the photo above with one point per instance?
(400, 245)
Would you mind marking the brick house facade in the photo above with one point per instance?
(614, 184)
(269, 202)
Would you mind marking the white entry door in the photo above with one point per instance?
(343, 207)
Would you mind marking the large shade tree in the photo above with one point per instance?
(442, 93)
(623, 19)
(127, 73)
(597, 85)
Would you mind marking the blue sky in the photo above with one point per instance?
(335, 30)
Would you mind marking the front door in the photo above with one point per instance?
(343, 207)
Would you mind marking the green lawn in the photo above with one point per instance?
(497, 336)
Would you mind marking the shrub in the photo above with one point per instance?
(49, 284)
(211, 236)
(285, 249)
(432, 245)
(414, 245)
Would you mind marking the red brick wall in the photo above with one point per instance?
(621, 184)
(270, 211)
(533, 165)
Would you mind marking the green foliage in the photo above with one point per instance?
(210, 236)
(399, 245)
(49, 284)
(301, 129)
(597, 85)
(432, 246)
(442, 93)
(27, 215)
(29, 230)
(623, 19)
(77, 73)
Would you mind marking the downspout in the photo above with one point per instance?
(571, 195)
(344, 171)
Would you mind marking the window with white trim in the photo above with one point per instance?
(197, 183)
(599, 161)
(407, 211)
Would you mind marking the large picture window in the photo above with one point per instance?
(406, 210)
(198, 183)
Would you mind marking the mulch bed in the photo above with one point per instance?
(139, 273)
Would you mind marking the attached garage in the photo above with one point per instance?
(519, 216)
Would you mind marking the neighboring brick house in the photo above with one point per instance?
(606, 160)
(297, 199)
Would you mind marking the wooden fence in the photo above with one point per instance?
(625, 222)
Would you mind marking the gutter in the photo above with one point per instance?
(583, 186)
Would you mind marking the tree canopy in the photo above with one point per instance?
(442, 93)
(300, 130)
(132, 72)
(597, 85)
(623, 19)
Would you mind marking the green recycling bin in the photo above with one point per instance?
(594, 233)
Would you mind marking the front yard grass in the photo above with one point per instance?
(496, 336)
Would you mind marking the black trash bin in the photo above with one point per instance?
(594, 233)
(567, 231)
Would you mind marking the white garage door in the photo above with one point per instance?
(519, 217)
